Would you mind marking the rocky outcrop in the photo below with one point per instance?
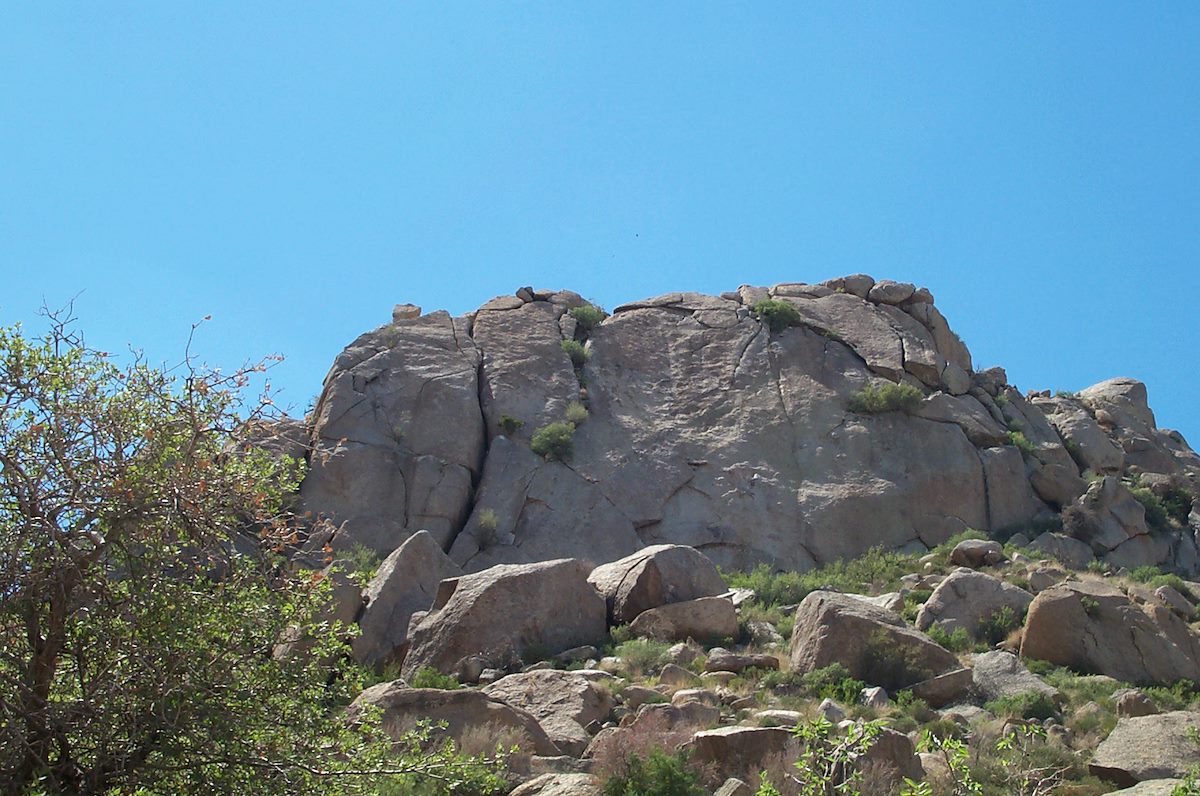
(505, 611)
(999, 674)
(708, 428)
(1093, 627)
(1147, 748)
(871, 642)
(705, 619)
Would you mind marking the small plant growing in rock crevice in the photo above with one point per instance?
(509, 425)
(576, 413)
(1019, 441)
(777, 314)
(587, 317)
(577, 353)
(878, 398)
(553, 441)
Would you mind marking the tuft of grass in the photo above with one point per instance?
(553, 441)
(875, 570)
(642, 655)
(776, 314)
(957, 641)
(429, 677)
(887, 397)
(575, 350)
(1030, 705)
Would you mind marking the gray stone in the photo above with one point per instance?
(1148, 747)
(564, 704)
(976, 553)
(653, 577)
(998, 674)
(967, 598)
(705, 619)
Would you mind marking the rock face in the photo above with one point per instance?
(871, 642)
(505, 611)
(653, 577)
(1148, 747)
(406, 582)
(706, 428)
(461, 710)
(966, 598)
(1093, 627)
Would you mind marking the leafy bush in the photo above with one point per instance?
(996, 627)
(777, 314)
(575, 350)
(957, 641)
(1157, 517)
(509, 425)
(642, 655)
(553, 440)
(576, 413)
(429, 677)
(587, 317)
(875, 569)
(1179, 696)
(892, 666)
(360, 562)
(887, 397)
(1019, 441)
(657, 774)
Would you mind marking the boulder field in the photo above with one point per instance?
(701, 421)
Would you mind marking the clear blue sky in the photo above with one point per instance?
(296, 169)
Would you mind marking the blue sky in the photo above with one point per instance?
(296, 169)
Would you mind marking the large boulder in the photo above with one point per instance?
(405, 583)
(462, 710)
(564, 703)
(741, 751)
(999, 674)
(505, 612)
(872, 643)
(967, 598)
(655, 576)
(1144, 748)
(1068, 551)
(705, 619)
(1106, 516)
(560, 785)
(1093, 627)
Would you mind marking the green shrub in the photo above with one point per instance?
(913, 602)
(833, 682)
(587, 317)
(777, 314)
(1030, 705)
(1019, 441)
(1157, 517)
(576, 413)
(1179, 696)
(1065, 394)
(887, 397)
(892, 666)
(429, 677)
(509, 425)
(996, 627)
(876, 569)
(957, 641)
(1178, 504)
(553, 441)
(642, 655)
(360, 562)
(575, 350)
(657, 774)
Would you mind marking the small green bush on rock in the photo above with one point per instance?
(878, 398)
(657, 774)
(575, 350)
(576, 413)
(777, 314)
(509, 425)
(428, 677)
(587, 317)
(553, 440)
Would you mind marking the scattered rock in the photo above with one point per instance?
(722, 660)
(874, 697)
(675, 675)
(560, 785)
(1067, 551)
(945, 688)
(1131, 702)
(740, 751)
(976, 553)
(734, 787)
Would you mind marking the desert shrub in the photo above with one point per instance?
(1179, 696)
(553, 441)
(1178, 503)
(913, 602)
(650, 734)
(577, 353)
(1030, 705)
(488, 521)
(657, 774)
(360, 562)
(887, 397)
(833, 682)
(587, 317)
(642, 655)
(1019, 441)
(429, 677)
(996, 627)
(509, 425)
(1157, 517)
(1065, 394)
(777, 314)
(892, 666)
(576, 413)
(959, 640)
